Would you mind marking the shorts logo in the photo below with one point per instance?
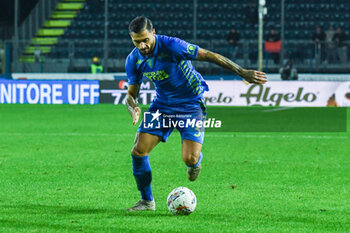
(191, 49)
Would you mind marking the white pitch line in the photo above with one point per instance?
(277, 136)
(210, 135)
(277, 109)
(66, 134)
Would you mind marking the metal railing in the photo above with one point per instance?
(75, 56)
(36, 19)
(31, 25)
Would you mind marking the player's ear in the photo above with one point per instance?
(153, 31)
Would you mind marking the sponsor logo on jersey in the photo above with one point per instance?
(156, 75)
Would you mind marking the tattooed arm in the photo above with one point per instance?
(251, 76)
(132, 104)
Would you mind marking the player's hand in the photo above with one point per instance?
(136, 115)
(253, 76)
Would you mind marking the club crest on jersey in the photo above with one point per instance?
(191, 49)
(150, 62)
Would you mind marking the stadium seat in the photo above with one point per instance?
(214, 19)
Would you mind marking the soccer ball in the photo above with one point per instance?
(181, 201)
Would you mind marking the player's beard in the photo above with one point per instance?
(148, 51)
(145, 52)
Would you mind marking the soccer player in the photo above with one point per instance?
(179, 90)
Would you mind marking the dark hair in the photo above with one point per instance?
(139, 24)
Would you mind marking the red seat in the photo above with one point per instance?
(273, 47)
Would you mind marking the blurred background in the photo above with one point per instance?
(70, 36)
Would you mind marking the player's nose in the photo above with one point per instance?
(142, 45)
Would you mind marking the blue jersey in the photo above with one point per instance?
(170, 69)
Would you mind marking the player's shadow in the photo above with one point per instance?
(75, 210)
(47, 209)
(34, 225)
(69, 217)
(148, 214)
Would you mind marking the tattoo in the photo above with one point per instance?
(248, 75)
(221, 61)
(131, 101)
(131, 104)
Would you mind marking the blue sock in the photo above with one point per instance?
(143, 176)
(199, 161)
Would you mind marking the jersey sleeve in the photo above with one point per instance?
(134, 76)
(182, 50)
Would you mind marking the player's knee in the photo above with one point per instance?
(138, 151)
(190, 159)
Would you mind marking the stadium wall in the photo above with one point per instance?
(222, 92)
(122, 75)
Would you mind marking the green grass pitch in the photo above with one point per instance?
(67, 168)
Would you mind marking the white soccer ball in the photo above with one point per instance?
(181, 201)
